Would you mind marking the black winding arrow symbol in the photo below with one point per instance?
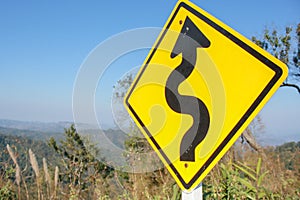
(187, 43)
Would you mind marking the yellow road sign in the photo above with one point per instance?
(199, 88)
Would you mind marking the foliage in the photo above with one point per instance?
(81, 169)
(236, 181)
(6, 193)
(21, 145)
(282, 47)
(252, 179)
(30, 134)
(241, 174)
(6, 189)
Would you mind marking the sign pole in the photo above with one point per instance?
(194, 195)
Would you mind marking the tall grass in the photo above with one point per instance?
(18, 170)
(245, 177)
(36, 170)
(56, 173)
(47, 177)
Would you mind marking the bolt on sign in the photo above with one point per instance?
(199, 88)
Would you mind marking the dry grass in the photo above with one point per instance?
(47, 176)
(157, 185)
(36, 170)
(18, 170)
(55, 182)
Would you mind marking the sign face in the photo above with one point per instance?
(199, 88)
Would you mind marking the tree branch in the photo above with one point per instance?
(291, 85)
(250, 139)
(248, 136)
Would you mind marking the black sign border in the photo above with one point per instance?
(278, 73)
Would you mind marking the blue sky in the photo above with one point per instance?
(44, 43)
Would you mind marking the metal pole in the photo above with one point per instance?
(194, 195)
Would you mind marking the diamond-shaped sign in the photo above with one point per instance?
(199, 88)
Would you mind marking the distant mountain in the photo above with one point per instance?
(47, 126)
(33, 129)
(35, 125)
(271, 139)
(26, 135)
(43, 131)
(35, 135)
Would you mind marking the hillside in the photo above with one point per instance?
(31, 134)
(22, 145)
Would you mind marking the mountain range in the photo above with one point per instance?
(44, 130)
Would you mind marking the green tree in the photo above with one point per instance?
(81, 168)
(285, 47)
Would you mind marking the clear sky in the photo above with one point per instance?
(44, 43)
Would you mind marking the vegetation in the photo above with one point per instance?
(251, 175)
(242, 174)
(70, 168)
(285, 47)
